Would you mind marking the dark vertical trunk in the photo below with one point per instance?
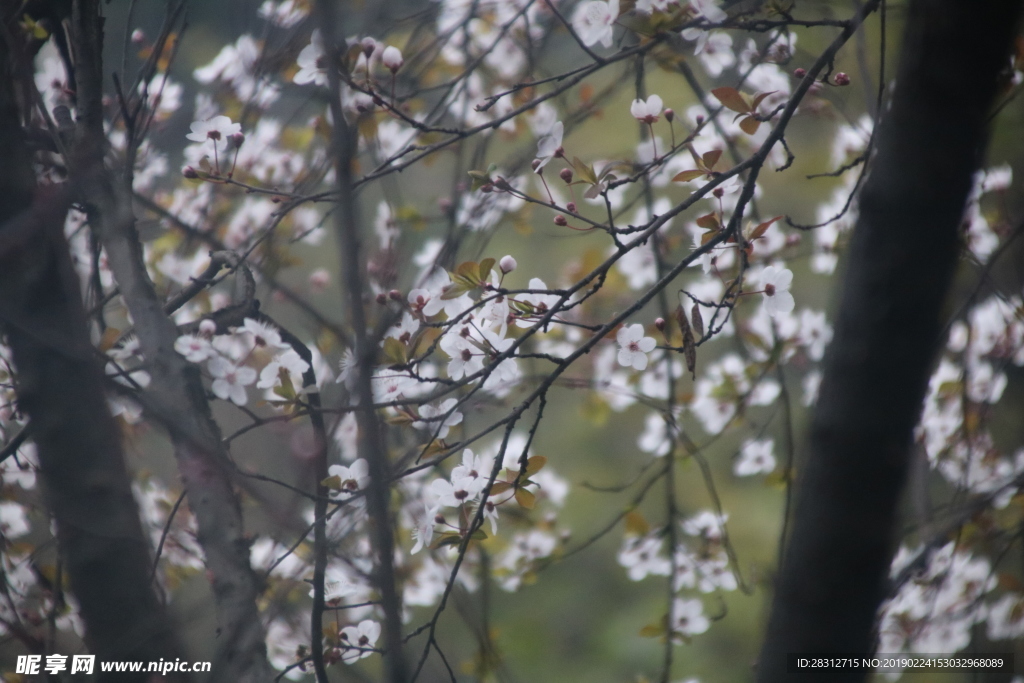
(900, 264)
(60, 388)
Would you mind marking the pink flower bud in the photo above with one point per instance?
(841, 79)
(799, 73)
(138, 35)
(369, 45)
(571, 206)
(392, 58)
(207, 328)
(566, 175)
(235, 140)
(487, 187)
(189, 173)
(670, 115)
(319, 279)
(382, 299)
(659, 323)
(560, 220)
(535, 165)
(507, 264)
(718, 192)
(395, 295)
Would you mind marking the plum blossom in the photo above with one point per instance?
(353, 478)
(594, 21)
(647, 112)
(430, 417)
(549, 145)
(193, 347)
(709, 9)
(688, 617)
(634, 346)
(218, 129)
(392, 58)
(312, 63)
(775, 283)
(755, 458)
(230, 380)
(358, 641)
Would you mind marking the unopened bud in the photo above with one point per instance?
(207, 328)
(369, 45)
(560, 152)
(382, 299)
(799, 73)
(392, 58)
(395, 295)
(487, 187)
(235, 140)
(535, 165)
(571, 206)
(566, 175)
(560, 220)
(138, 35)
(659, 323)
(507, 264)
(439, 519)
(718, 192)
(841, 78)
(670, 115)
(189, 173)
(700, 119)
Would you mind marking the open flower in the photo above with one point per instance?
(312, 64)
(775, 283)
(688, 618)
(196, 349)
(430, 417)
(218, 129)
(594, 21)
(647, 112)
(710, 10)
(358, 641)
(634, 346)
(755, 458)
(353, 478)
(549, 145)
(230, 380)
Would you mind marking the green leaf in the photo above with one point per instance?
(653, 630)
(480, 178)
(332, 482)
(711, 158)
(585, 172)
(708, 221)
(394, 352)
(749, 125)
(636, 524)
(525, 498)
(687, 176)
(732, 99)
(534, 465)
(448, 539)
(485, 269)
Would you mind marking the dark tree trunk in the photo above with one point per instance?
(900, 264)
(60, 388)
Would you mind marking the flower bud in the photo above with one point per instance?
(207, 328)
(841, 78)
(189, 173)
(487, 187)
(392, 58)
(560, 220)
(439, 519)
(138, 35)
(395, 295)
(571, 207)
(670, 115)
(235, 140)
(659, 323)
(718, 192)
(560, 152)
(799, 73)
(507, 264)
(535, 165)
(382, 299)
(369, 45)
(700, 119)
(566, 175)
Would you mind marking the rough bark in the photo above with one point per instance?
(176, 396)
(85, 482)
(900, 264)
